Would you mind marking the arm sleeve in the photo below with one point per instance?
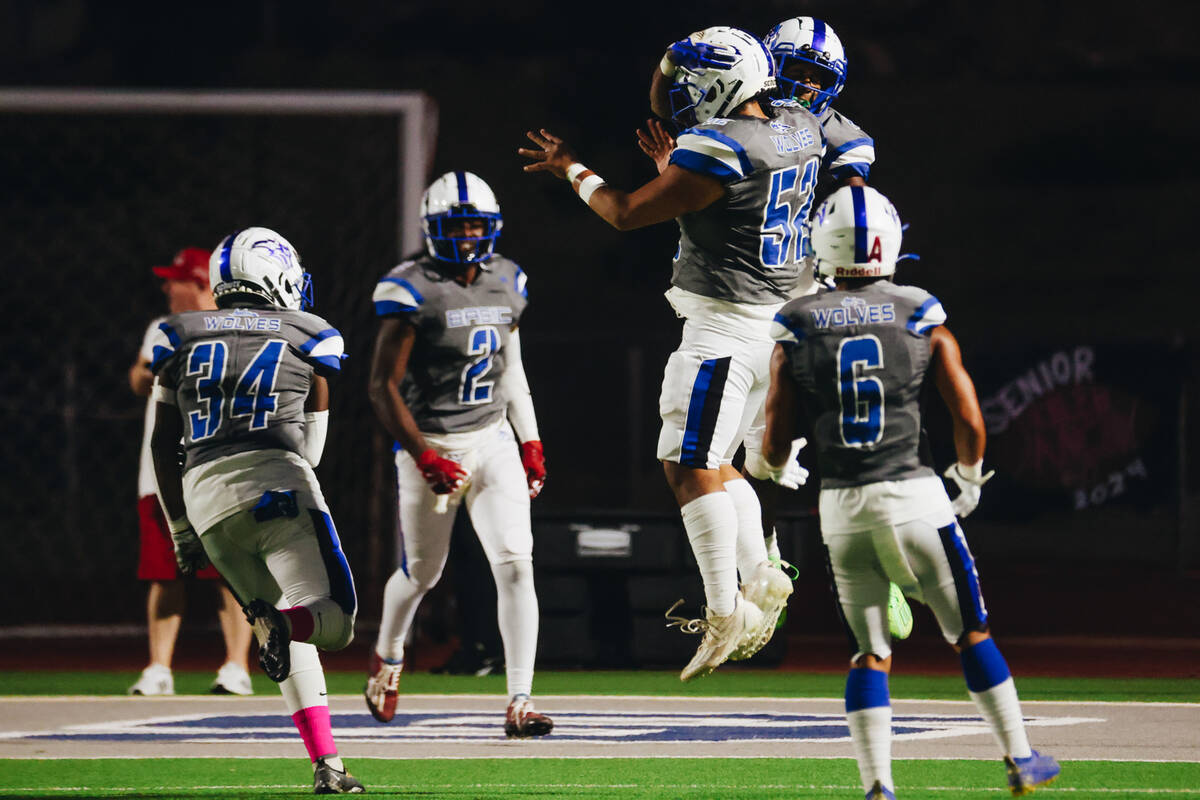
(515, 387)
(316, 426)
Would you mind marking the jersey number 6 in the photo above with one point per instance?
(861, 395)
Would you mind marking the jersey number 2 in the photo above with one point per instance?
(861, 394)
(782, 232)
(484, 342)
(253, 395)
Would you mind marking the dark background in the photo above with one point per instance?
(1043, 153)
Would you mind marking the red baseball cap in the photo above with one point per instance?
(189, 264)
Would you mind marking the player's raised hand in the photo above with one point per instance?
(970, 480)
(534, 461)
(553, 156)
(657, 143)
(693, 55)
(443, 475)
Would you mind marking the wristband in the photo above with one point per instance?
(666, 67)
(177, 525)
(971, 472)
(574, 172)
(588, 186)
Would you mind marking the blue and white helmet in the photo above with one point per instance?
(260, 262)
(809, 41)
(856, 233)
(706, 92)
(458, 196)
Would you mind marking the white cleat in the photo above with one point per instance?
(232, 679)
(769, 589)
(721, 635)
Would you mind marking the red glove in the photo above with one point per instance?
(443, 475)
(534, 461)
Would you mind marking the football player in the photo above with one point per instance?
(811, 70)
(245, 387)
(740, 182)
(448, 385)
(852, 361)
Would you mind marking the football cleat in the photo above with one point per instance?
(768, 588)
(522, 722)
(274, 639)
(155, 680)
(880, 792)
(382, 689)
(722, 635)
(1026, 774)
(900, 619)
(232, 679)
(327, 780)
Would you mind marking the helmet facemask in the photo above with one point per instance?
(446, 242)
(806, 59)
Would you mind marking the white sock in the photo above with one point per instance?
(401, 596)
(871, 732)
(1001, 708)
(304, 686)
(711, 523)
(333, 761)
(517, 612)
(773, 545)
(751, 548)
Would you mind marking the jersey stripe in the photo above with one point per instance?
(164, 341)
(327, 348)
(395, 296)
(929, 315)
(520, 281)
(782, 330)
(711, 152)
(341, 580)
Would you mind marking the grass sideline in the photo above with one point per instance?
(731, 683)
(628, 779)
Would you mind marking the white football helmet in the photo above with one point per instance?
(809, 41)
(856, 233)
(701, 94)
(454, 197)
(260, 262)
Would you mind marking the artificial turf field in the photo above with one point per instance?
(749, 778)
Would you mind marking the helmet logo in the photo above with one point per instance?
(876, 251)
(277, 251)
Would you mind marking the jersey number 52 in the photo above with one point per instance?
(782, 232)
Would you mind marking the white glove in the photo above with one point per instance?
(789, 474)
(970, 480)
(189, 551)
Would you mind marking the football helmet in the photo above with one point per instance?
(701, 93)
(809, 41)
(260, 262)
(856, 233)
(455, 197)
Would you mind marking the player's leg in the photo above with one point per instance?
(937, 553)
(422, 545)
(702, 404)
(305, 694)
(165, 598)
(861, 589)
(498, 502)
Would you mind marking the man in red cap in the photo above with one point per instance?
(185, 283)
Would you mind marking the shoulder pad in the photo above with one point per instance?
(711, 152)
(395, 293)
(929, 313)
(508, 271)
(163, 343)
(785, 328)
(325, 347)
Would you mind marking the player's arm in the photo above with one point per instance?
(389, 364)
(515, 388)
(140, 376)
(781, 411)
(958, 391)
(676, 191)
(168, 474)
(316, 419)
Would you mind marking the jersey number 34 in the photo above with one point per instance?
(253, 394)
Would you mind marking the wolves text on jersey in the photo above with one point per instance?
(853, 311)
(794, 142)
(478, 315)
(239, 322)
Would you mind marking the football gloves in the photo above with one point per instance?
(443, 475)
(189, 551)
(789, 475)
(696, 56)
(534, 461)
(970, 480)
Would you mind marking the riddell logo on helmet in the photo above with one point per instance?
(859, 272)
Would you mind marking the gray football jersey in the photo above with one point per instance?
(242, 376)
(748, 246)
(859, 358)
(849, 150)
(452, 381)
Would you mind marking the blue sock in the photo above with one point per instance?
(869, 717)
